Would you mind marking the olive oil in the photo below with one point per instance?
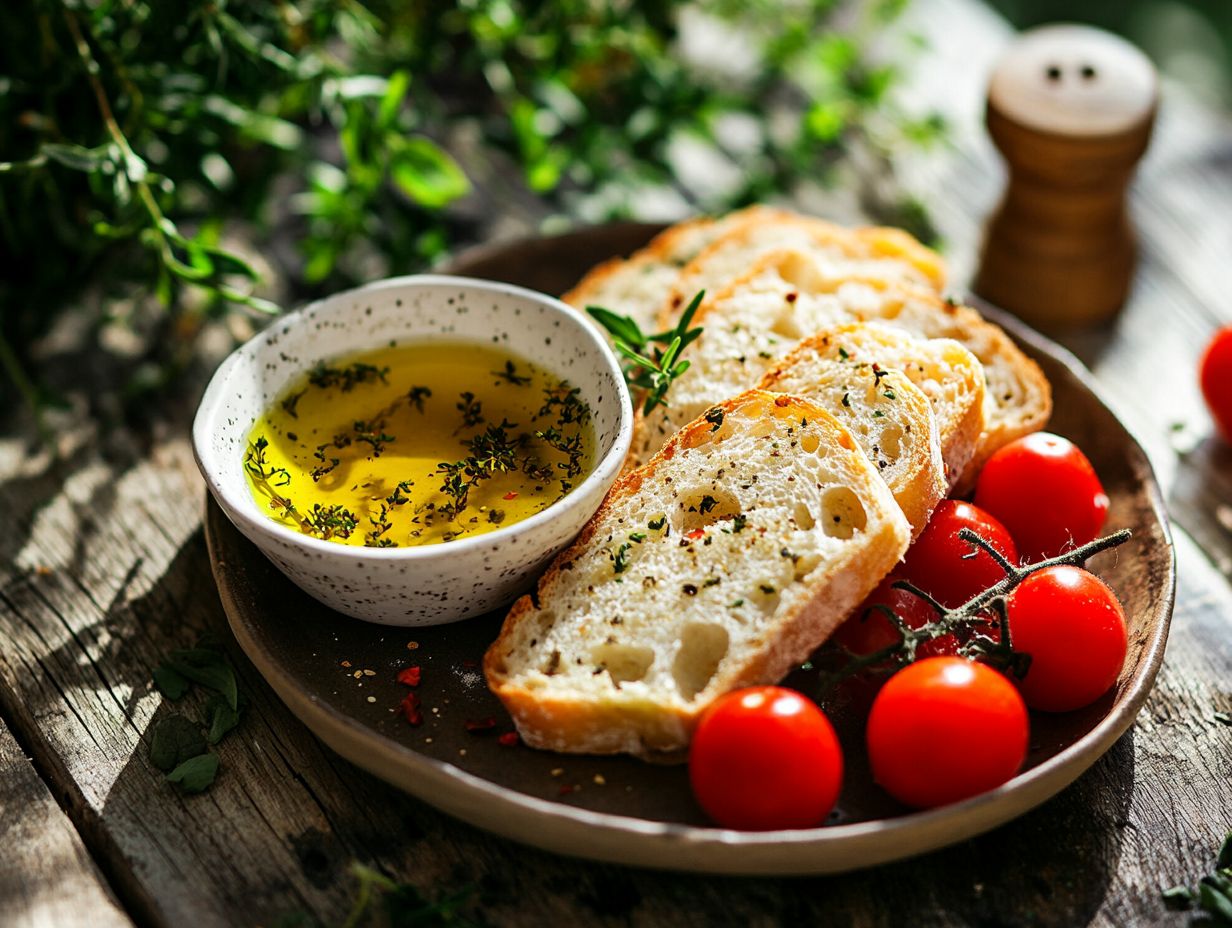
(418, 444)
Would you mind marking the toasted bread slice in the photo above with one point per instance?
(888, 255)
(1017, 397)
(947, 373)
(890, 417)
(720, 564)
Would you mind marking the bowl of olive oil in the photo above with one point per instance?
(414, 452)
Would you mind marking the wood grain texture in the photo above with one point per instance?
(48, 877)
(103, 570)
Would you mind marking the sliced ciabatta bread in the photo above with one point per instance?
(1017, 396)
(947, 373)
(890, 417)
(888, 255)
(720, 564)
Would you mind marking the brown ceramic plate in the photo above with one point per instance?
(620, 809)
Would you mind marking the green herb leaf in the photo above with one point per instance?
(170, 682)
(621, 328)
(1224, 860)
(426, 174)
(1214, 900)
(209, 668)
(75, 156)
(222, 718)
(655, 371)
(174, 740)
(1178, 898)
(196, 774)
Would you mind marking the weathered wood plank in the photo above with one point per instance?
(47, 877)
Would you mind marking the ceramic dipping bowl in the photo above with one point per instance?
(429, 584)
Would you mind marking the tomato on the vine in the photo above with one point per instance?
(1073, 627)
(765, 758)
(1045, 491)
(869, 629)
(948, 567)
(1215, 376)
(944, 729)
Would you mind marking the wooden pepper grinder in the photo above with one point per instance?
(1071, 108)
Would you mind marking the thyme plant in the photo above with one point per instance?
(214, 155)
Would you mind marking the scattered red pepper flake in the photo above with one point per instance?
(512, 494)
(566, 789)
(470, 665)
(410, 708)
(476, 725)
(410, 676)
(695, 534)
(509, 739)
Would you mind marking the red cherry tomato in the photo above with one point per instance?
(765, 758)
(869, 629)
(1215, 375)
(1045, 491)
(945, 729)
(1074, 629)
(940, 563)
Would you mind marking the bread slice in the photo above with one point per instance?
(1017, 397)
(636, 287)
(889, 255)
(889, 416)
(720, 564)
(949, 375)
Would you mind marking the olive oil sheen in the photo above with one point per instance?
(418, 444)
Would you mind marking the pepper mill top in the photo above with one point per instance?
(1074, 80)
(1071, 108)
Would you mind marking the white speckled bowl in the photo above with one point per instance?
(432, 584)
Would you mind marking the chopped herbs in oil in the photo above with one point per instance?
(418, 444)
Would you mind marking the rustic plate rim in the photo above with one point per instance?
(718, 850)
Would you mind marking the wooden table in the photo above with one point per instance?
(103, 570)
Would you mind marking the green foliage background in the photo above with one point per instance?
(218, 154)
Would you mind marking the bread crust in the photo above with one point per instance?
(870, 242)
(558, 723)
(925, 312)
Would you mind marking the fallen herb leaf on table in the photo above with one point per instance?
(177, 745)
(209, 668)
(221, 716)
(1213, 894)
(196, 774)
(175, 739)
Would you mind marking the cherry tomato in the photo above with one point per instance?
(944, 729)
(1215, 375)
(1045, 491)
(765, 758)
(940, 563)
(869, 629)
(1074, 629)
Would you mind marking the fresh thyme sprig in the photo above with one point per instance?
(969, 621)
(650, 367)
